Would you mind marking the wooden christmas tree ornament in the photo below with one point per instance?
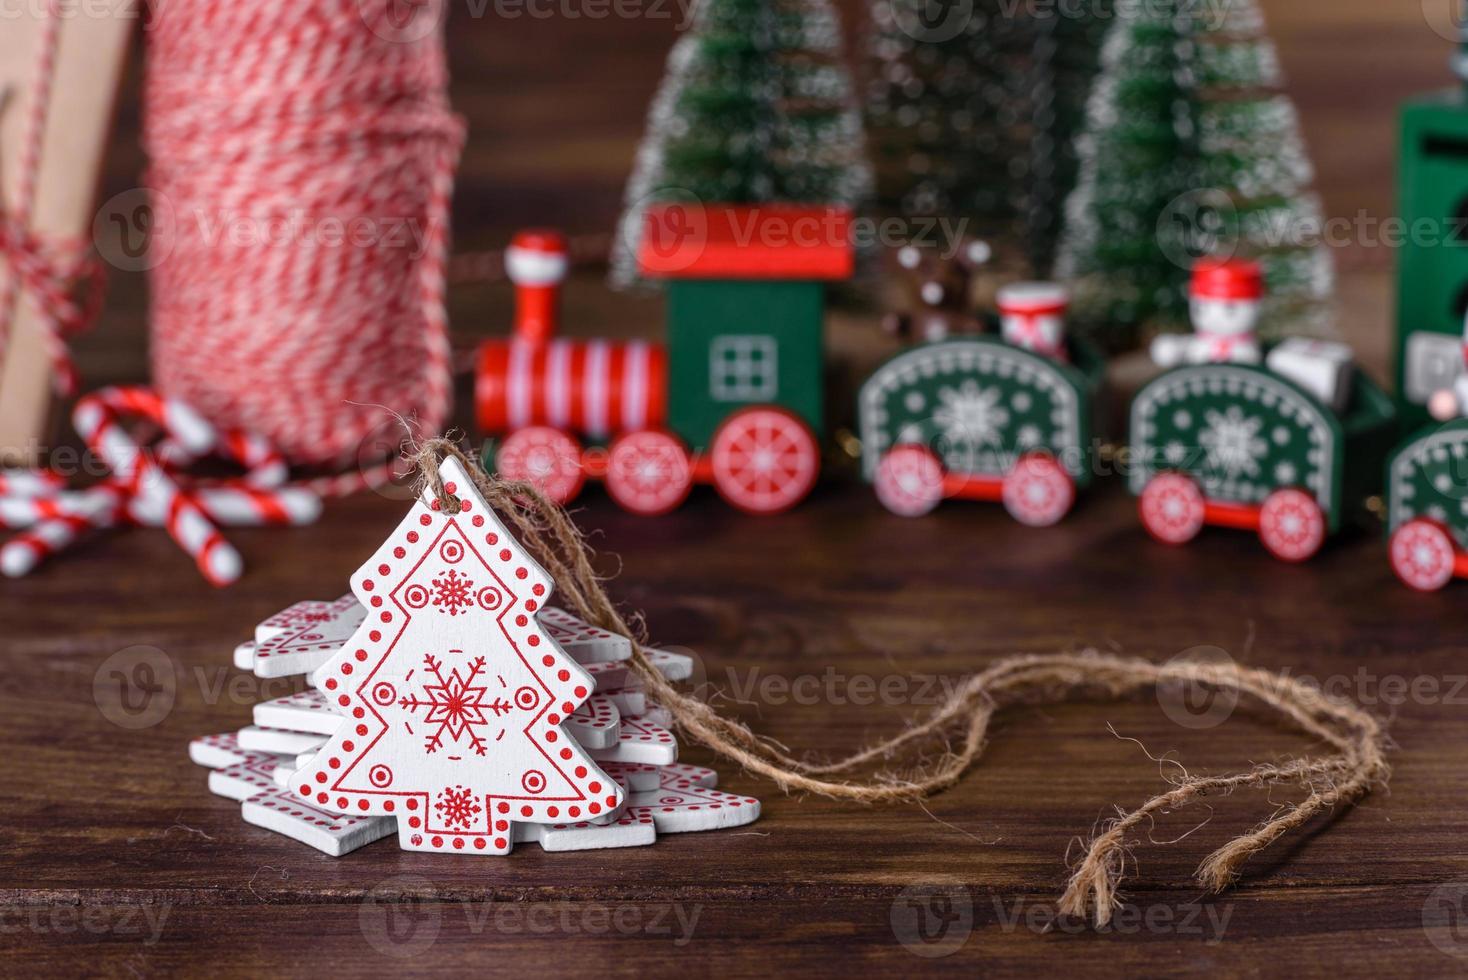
(455, 694)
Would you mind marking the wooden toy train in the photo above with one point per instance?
(981, 418)
(733, 399)
(1286, 441)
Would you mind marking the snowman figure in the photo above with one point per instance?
(1032, 316)
(1225, 296)
(1452, 403)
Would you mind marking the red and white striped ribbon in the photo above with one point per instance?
(150, 486)
(99, 507)
(95, 420)
(30, 483)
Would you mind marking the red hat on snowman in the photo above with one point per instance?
(1227, 279)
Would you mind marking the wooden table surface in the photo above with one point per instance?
(115, 859)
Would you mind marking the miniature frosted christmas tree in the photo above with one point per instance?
(1066, 58)
(972, 114)
(1190, 149)
(756, 106)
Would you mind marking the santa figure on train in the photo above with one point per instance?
(1224, 301)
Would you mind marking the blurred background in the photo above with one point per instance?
(555, 100)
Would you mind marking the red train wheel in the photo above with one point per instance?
(1172, 508)
(648, 473)
(1038, 492)
(1422, 554)
(909, 481)
(764, 460)
(1291, 525)
(546, 457)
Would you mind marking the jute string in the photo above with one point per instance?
(1354, 762)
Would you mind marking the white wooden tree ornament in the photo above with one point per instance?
(456, 695)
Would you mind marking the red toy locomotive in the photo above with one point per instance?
(734, 398)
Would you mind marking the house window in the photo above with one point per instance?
(743, 369)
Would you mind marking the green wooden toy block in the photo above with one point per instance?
(1243, 432)
(1432, 284)
(980, 404)
(733, 343)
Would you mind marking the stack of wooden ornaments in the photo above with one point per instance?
(449, 703)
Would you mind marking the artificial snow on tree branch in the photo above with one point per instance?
(972, 114)
(1191, 149)
(756, 106)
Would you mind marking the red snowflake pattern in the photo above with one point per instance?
(455, 704)
(457, 807)
(452, 592)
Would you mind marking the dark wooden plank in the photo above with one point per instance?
(1303, 932)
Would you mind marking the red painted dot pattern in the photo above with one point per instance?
(528, 633)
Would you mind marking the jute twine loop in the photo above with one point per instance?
(1354, 763)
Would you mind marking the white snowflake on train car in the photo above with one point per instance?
(1232, 441)
(970, 415)
(454, 722)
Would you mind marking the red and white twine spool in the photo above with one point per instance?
(302, 160)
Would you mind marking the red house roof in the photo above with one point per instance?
(756, 241)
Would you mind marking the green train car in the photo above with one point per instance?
(980, 419)
(1427, 507)
(1239, 446)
